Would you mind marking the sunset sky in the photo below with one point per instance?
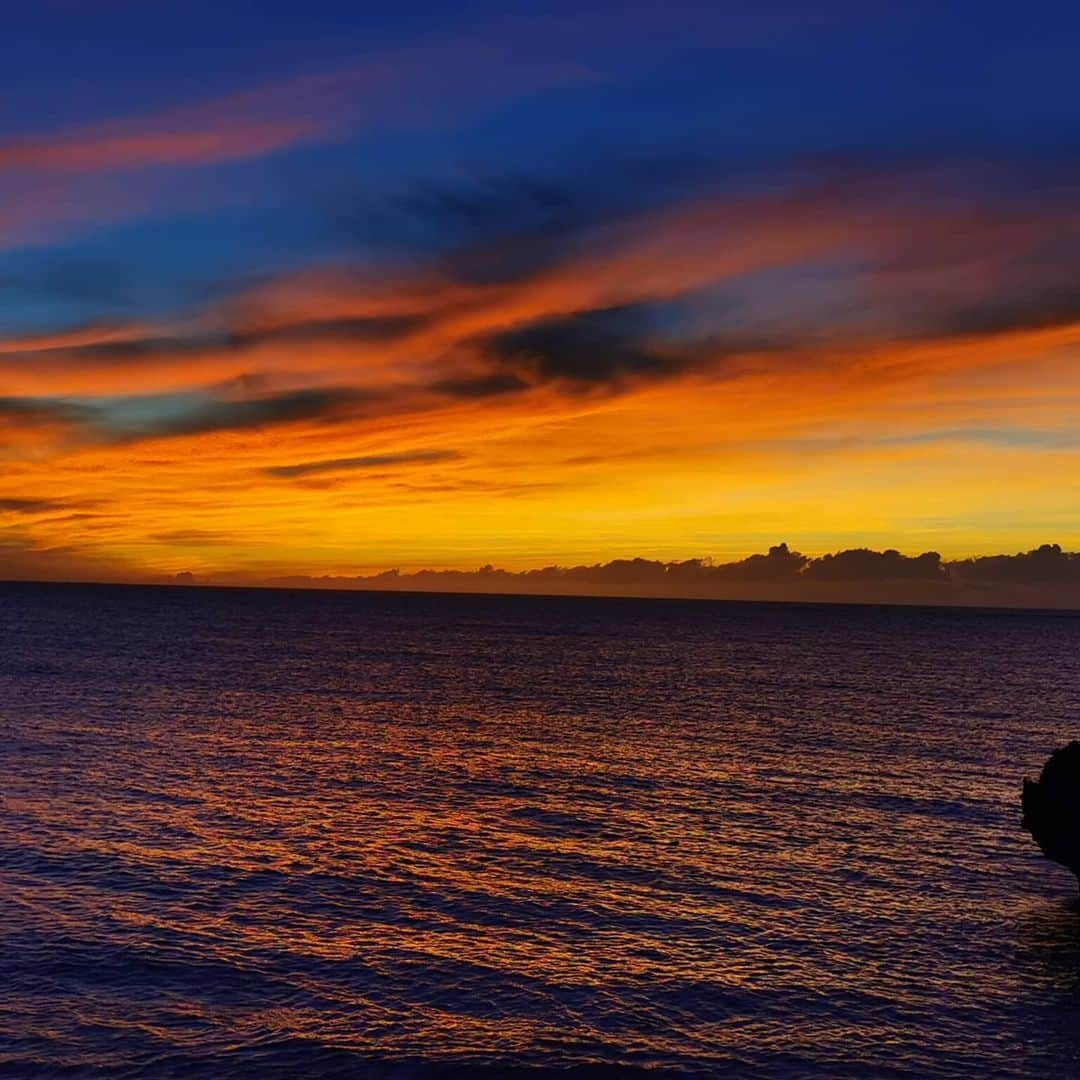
(329, 288)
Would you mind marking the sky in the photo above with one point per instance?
(334, 288)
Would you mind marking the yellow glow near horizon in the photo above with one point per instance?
(908, 447)
(336, 423)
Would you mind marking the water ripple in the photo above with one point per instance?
(282, 835)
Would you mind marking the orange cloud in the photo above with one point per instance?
(415, 86)
(99, 152)
(342, 421)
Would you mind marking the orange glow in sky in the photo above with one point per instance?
(522, 372)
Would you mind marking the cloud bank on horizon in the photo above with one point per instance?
(450, 288)
(1045, 577)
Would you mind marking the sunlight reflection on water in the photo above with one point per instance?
(283, 834)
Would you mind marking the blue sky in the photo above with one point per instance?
(737, 91)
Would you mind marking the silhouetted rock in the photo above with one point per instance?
(1052, 808)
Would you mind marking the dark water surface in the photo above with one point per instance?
(277, 834)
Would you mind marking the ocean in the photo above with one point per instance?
(269, 834)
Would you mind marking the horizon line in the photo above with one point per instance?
(184, 586)
(1042, 578)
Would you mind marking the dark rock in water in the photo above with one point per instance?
(1052, 808)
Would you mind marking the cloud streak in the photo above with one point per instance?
(411, 85)
(28, 505)
(370, 461)
(43, 175)
(105, 151)
(666, 359)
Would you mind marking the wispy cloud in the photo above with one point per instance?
(656, 295)
(369, 461)
(106, 151)
(408, 87)
(670, 351)
(28, 505)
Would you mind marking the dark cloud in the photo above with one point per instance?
(238, 404)
(24, 559)
(781, 564)
(862, 564)
(43, 410)
(137, 417)
(141, 348)
(1047, 564)
(77, 516)
(498, 204)
(1047, 577)
(138, 347)
(53, 419)
(371, 461)
(931, 277)
(28, 506)
(373, 330)
(496, 384)
(949, 270)
(1027, 309)
(505, 227)
(198, 415)
(779, 567)
(603, 346)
